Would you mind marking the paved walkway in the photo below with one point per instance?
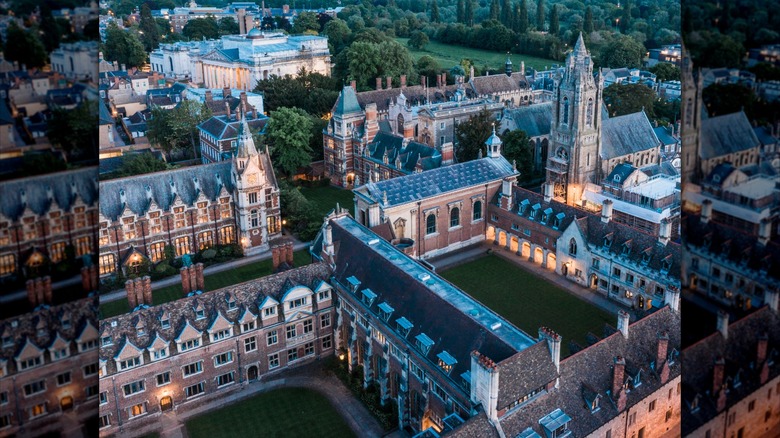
(214, 269)
(313, 377)
(480, 250)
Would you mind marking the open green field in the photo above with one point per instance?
(448, 55)
(212, 282)
(527, 301)
(325, 198)
(290, 412)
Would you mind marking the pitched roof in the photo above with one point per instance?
(497, 84)
(223, 128)
(535, 119)
(408, 152)
(64, 187)
(347, 103)
(729, 133)
(416, 94)
(627, 134)
(211, 178)
(433, 182)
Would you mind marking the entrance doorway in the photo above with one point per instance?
(251, 373)
(166, 403)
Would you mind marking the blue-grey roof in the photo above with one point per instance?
(36, 190)
(408, 154)
(621, 171)
(105, 116)
(627, 134)
(535, 119)
(430, 183)
(347, 102)
(223, 129)
(726, 134)
(211, 177)
(664, 168)
(664, 136)
(764, 135)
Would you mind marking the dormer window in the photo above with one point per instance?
(535, 212)
(546, 215)
(646, 256)
(608, 240)
(556, 424)
(354, 283)
(626, 248)
(65, 322)
(165, 322)
(446, 361)
(385, 311)
(297, 302)
(666, 264)
(324, 295)
(368, 297)
(189, 345)
(269, 311)
(231, 303)
(8, 341)
(106, 340)
(523, 207)
(221, 334)
(403, 326)
(558, 219)
(424, 343)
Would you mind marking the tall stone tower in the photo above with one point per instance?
(690, 121)
(256, 194)
(341, 138)
(573, 157)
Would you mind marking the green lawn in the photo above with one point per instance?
(213, 282)
(325, 198)
(448, 55)
(527, 301)
(290, 412)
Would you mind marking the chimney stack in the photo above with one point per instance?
(761, 348)
(623, 320)
(147, 289)
(554, 344)
(672, 298)
(353, 84)
(618, 375)
(225, 92)
(548, 191)
(378, 83)
(276, 255)
(403, 81)
(132, 298)
(764, 231)
(327, 241)
(32, 297)
(706, 211)
(606, 211)
(661, 362)
(199, 280)
(389, 82)
(723, 323)
(47, 293)
(770, 299)
(185, 280)
(290, 254)
(665, 231)
(718, 372)
(209, 96)
(138, 285)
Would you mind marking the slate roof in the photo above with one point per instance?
(664, 168)
(433, 305)
(248, 295)
(627, 134)
(527, 197)
(62, 185)
(734, 245)
(719, 174)
(211, 177)
(497, 84)
(764, 135)
(224, 129)
(478, 426)
(621, 171)
(739, 352)
(591, 369)
(663, 135)
(347, 103)
(415, 94)
(5, 114)
(105, 116)
(80, 313)
(524, 372)
(535, 119)
(445, 179)
(409, 154)
(729, 133)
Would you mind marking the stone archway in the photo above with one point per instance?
(525, 250)
(502, 238)
(166, 403)
(490, 234)
(513, 243)
(252, 373)
(66, 403)
(538, 255)
(551, 261)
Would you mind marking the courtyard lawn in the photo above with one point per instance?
(528, 301)
(213, 282)
(289, 413)
(325, 198)
(448, 55)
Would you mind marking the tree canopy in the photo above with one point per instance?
(123, 46)
(624, 99)
(25, 46)
(289, 133)
(201, 28)
(472, 134)
(176, 130)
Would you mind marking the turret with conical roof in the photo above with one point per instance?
(246, 144)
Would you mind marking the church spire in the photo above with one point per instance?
(246, 144)
(579, 46)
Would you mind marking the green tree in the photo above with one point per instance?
(428, 66)
(623, 51)
(228, 26)
(289, 132)
(495, 10)
(588, 26)
(25, 46)
(418, 40)
(74, 131)
(469, 13)
(507, 17)
(201, 28)
(624, 99)
(461, 11)
(765, 72)
(554, 25)
(720, 99)
(721, 51)
(338, 34)
(123, 47)
(540, 15)
(366, 61)
(516, 147)
(522, 18)
(139, 164)
(625, 19)
(665, 71)
(472, 134)
(435, 12)
(306, 21)
(150, 33)
(38, 163)
(176, 130)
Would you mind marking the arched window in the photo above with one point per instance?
(430, 224)
(254, 218)
(454, 217)
(689, 112)
(477, 211)
(565, 110)
(400, 123)
(573, 247)
(589, 113)
(170, 61)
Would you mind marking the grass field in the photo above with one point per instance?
(289, 413)
(448, 55)
(325, 198)
(527, 301)
(212, 282)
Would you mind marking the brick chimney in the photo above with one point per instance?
(389, 82)
(718, 372)
(353, 84)
(276, 252)
(618, 376)
(146, 283)
(554, 344)
(193, 278)
(372, 122)
(132, 298)
(184, 272)
(443, 80)
(47, 293)
(199, 280)
(403, 81)
(209, 96)
(764, 231)
(225, 92)
(706, 211)
(623, 320)
(138, 285)
(227, 110)
(378, 83)
(32, 297)
(661, 362)
(438, 81)
(86, 280)
(290, 253)
(244, 103)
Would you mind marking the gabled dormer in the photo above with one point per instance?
(59, 348)
(105, 337)
(446, 361)
(221, 328)
(88, 338)
(158, 348)
(368, 297)
(323, 291)
(385, 311)
(423, 343)
(188, 338)
(129, 356)
(140, 328)
(403, 326)
(230, 301)
(199, 309)
(6, 337)
(247, 321)
(268, 311)
(296, 300)
(29, 356)
(165, 319)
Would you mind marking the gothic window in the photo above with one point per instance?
(254, 218)
(454, 217)
(430, 224)
(573, 247)
(561, 153)
(589, 113)
(565, 111)
(477, 211)
(400, 123)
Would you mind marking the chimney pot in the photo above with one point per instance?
(606, 211)
(723, 323)
(403, 81)
(389, 82)
(353, 84)
(132, 298)
(378, 83)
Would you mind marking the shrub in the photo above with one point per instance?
(209, 254)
